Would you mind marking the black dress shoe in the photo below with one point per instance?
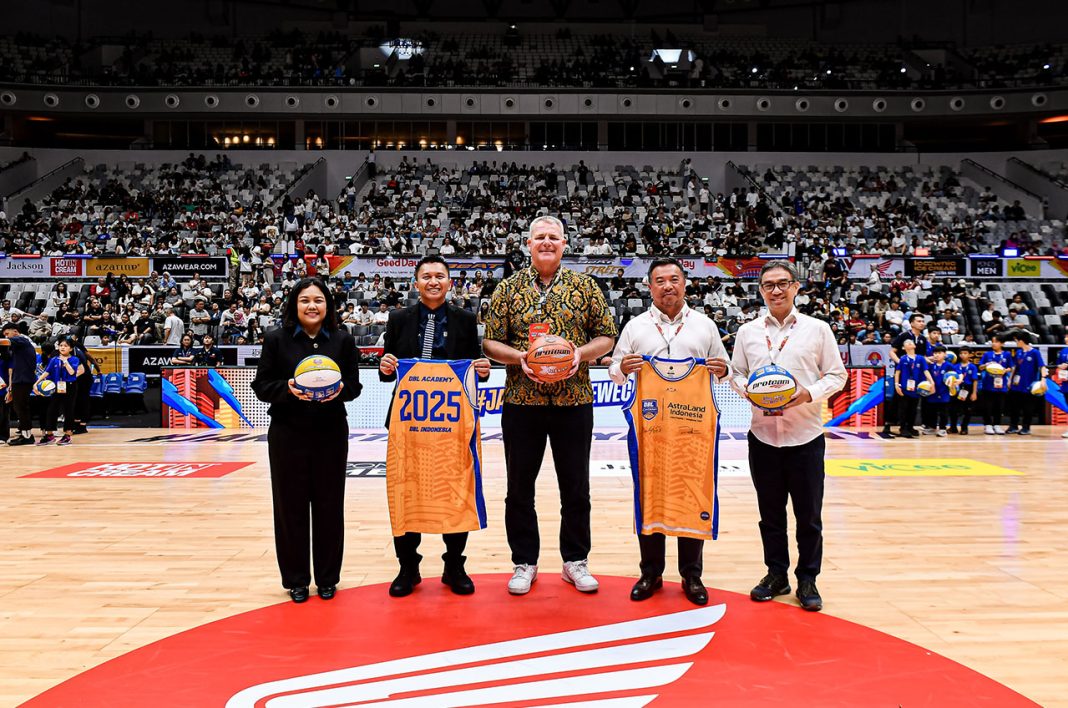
(769, 587)
(809, 596)
(327, 593)
(887, 433)
(695, 591)
(645, 587)
(457, 578)
(405, 582)
(298, 595)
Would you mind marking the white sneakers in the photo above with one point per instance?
(1064, 435)
(578, 574)
(999, 430)
(941, 432)
(522, 578)
(988, 429)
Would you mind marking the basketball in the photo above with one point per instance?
(1039, 388)
(770, 387)
(318, 375)
(925, 388)
(995, 369)
(44, 388)
(550, 357)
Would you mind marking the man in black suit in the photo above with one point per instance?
(431, 329)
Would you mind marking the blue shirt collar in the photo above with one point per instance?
(323, 332)
(441, 310)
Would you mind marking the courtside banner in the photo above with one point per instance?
(126, 470)
(150, 359)
(936, 266)
(11, 268)
(213, 266)
(131, 267)
(607, 267)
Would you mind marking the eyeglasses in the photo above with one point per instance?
(778, 285)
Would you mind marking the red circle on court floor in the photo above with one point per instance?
(553, 647)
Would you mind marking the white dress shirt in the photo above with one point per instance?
(810, 354)
(690, 334)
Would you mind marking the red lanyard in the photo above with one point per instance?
(767, 338)
(677, 329)
(660, 329)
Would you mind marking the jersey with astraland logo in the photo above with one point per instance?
(673, 444)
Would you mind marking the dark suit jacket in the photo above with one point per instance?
(402, 338)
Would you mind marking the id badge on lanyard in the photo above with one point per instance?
(772, 353)
(537, 329)
(61, 387)
(543, 326)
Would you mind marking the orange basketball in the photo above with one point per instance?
(550, 357)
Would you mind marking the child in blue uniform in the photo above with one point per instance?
(63, 370)
(911, 371)
(994, 388)
(938, 402)
(1061, 375)
(1028, 368)
(960, 406)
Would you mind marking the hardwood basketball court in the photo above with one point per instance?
(954, 544)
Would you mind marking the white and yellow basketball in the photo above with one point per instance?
(770, 387)
(1039, 388)
(318, 375)
(44, 387)
(925, 388)
(995, 369)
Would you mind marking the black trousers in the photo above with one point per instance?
(960, 411)
(407, 548)
(794, 474)
(653, 548)
(5, 416)
(891, 409)
(939, 412)
(907, 412)
(308, 489)
(1021, 409)
(20, 402)
(569, 430)
(61, 402)
(927, 413)
(993, 404)
(81, 397)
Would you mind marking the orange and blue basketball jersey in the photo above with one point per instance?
(673, 443)
(434, 458)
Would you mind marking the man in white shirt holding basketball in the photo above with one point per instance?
(786, 447)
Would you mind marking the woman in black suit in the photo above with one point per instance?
(308, 440)
(453, 336)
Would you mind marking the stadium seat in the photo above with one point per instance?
(113, 384)
(134, 391)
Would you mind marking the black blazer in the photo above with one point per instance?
(279, 356)
(402, 338)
